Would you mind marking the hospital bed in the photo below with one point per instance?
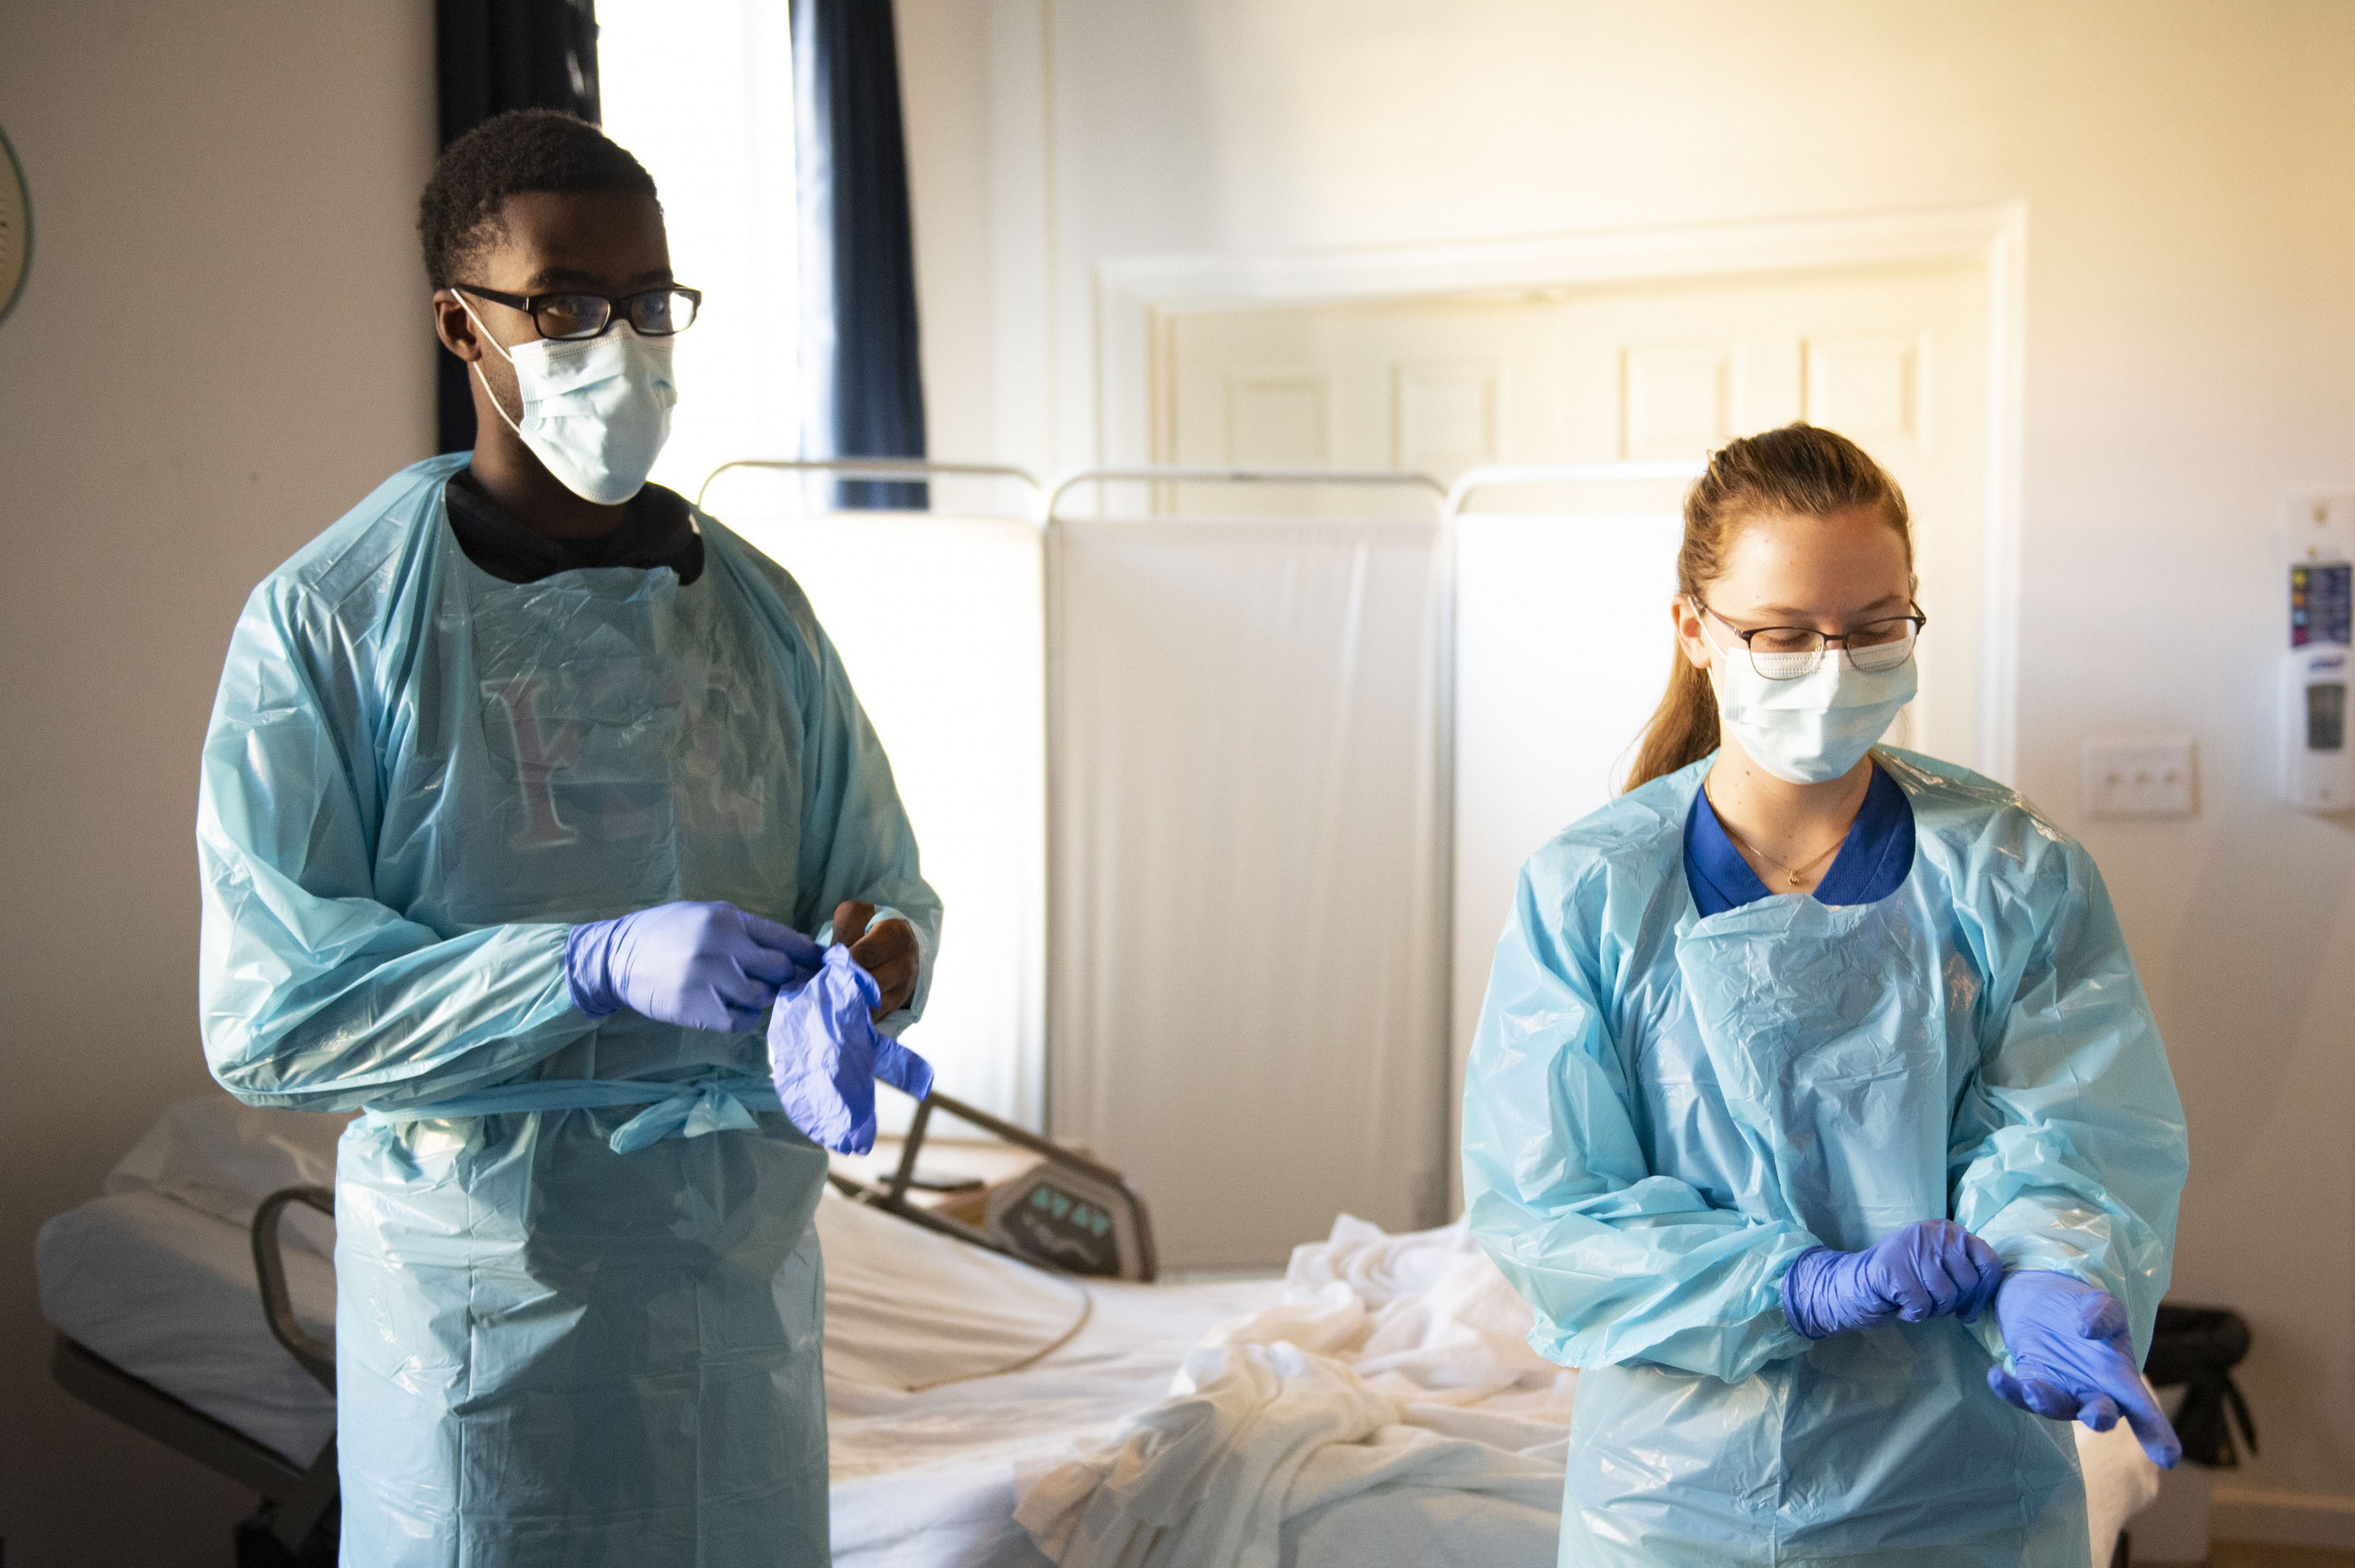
(195, 1301)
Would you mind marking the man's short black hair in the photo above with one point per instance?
(513, 153)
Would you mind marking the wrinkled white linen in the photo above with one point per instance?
(1387, 1409)
(1388, 1398)
(2120, 1482)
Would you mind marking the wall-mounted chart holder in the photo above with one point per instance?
(2318, 547)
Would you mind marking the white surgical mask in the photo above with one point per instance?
(1814, 728)
(596, 410)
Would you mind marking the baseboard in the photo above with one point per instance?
(2281, 1519)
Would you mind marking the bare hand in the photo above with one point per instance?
(888, 952)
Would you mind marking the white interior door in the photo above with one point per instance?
(1435, 386)
(1894, 357)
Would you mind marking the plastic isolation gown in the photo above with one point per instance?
(577, 1290)
(1663, 1110)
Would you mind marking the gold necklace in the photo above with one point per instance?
(1794, 873)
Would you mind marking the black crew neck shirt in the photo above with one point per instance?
(657, 528)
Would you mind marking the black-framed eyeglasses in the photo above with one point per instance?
(653, 313)
(1786, 653)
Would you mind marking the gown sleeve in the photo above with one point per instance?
(1619, 1265)
(314, 996)
(856, 839)
(2069, 1149)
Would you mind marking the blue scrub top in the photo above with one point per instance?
(1873, 862)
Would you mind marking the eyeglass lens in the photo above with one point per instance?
(659, 312)
(1786, 653)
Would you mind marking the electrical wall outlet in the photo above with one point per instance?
(2151, 776)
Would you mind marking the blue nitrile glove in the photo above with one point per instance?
(2075, 1360)
(1928, 1269)
(706, 966)
(826, 1055)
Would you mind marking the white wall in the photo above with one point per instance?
(2189, 175)
(223, 345)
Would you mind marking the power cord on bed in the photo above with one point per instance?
(1087, 1313)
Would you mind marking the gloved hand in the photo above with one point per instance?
(705, 965)
(825, 1053)
(2069, 1340)
(1928, 1269)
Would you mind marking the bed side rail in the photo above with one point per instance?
(314, 1356)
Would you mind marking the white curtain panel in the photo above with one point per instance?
(1562, 643)
(938, 621)
(1247, 1008)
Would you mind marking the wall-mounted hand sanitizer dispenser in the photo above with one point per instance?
(2318, 776)
(2317, 764)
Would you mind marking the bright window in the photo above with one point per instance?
(701, 91)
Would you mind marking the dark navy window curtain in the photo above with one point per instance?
(863, 392)
(491, 55)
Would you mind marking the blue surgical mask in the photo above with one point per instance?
(596, 410)
(1813, 729)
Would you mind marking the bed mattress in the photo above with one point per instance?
(165, 1291)
(157, 1275)
(947, 1366)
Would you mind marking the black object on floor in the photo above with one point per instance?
(258, 1546)
(2199, 1347)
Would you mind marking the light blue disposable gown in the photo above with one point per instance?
(1662, 1111)
(577, 1290)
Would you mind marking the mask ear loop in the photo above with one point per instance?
(477, 366)
(1722, 654)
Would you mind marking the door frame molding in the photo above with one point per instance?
(1137, 297)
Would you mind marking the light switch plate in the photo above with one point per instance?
(2146, 776)
(2320, 525)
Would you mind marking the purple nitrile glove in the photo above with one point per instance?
(825, 1053)
(703, 966)
(1926, 1270)
(2075, 1359)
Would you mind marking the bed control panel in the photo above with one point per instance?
(1070, 1220)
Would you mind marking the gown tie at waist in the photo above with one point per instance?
(718, 1101)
